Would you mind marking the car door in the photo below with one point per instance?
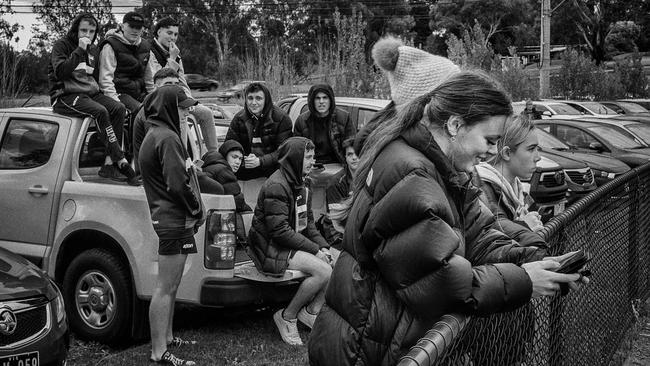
(579, 138)
(28, 175)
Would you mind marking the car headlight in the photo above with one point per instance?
(603, 174)
(58, 305)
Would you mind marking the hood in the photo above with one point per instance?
(20, 279)
(311, 98)
(290, 157)
(565, 162)
(545, 164)
(212, 158)
(228, 146)
(644, 152)
(73, 33)
(119, 35)
(161, 108)
(594, 161)
(268, 102)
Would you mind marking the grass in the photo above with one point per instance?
(225, 336)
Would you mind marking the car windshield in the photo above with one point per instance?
(641, 130)
(620, 139)
(548, 141)
(633, 107)
(561, 108)
(598, 108)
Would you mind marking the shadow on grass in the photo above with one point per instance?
(244, 336)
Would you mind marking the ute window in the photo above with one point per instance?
(365, 115)
(27, 144)
(93, 151)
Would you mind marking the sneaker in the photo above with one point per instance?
(288, 329)
(171, 360)
(306, 317)
(129, 173)
(110, 172)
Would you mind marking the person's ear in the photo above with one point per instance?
(505, 153)
(454, 123)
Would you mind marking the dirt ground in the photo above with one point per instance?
(639, 354)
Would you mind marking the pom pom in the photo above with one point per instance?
(385, 52)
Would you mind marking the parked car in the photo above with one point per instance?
(548, 187)
(94, 235)
(598, 138)
(603, 168)
(235, 91)
(640, 131)
(626, 108)
(33, 323)
(594, 109)
(200, 82)
(223, 115)
(361, 109)
(549, 109)
(645, 103)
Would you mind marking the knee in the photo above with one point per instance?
(323, 272)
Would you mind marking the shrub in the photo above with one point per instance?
(12, 79)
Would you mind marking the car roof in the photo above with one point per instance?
(617, 122)
(568, 122)
(367, 102)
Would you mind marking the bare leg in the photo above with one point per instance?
(170, 269)
(319, 272)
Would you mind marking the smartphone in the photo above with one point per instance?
(575, 263)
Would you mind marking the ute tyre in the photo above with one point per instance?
(98, 297)
(213, 88)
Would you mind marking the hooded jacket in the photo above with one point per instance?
(71, 68)
(283, 220)
(171, 186)
(504, 200)
(329, 132)
(417, 245)
(215, 166)
(122, 65)
(261, 135)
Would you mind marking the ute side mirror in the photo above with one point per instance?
(596, 146)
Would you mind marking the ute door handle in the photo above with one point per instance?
(39, 189)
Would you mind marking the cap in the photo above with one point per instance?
(184, 101)
(411, 72)
(133, 19)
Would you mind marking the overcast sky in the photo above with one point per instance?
(26, 18)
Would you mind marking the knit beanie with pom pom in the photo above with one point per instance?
(411, 72)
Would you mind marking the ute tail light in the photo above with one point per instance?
(220, 240)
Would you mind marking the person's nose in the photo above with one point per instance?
(492, 149)
(536, 156)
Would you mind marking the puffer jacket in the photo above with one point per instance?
(338, 123)
(216, 167)
(273, 126)
(171, 187)
(417, 245)
(273, 234)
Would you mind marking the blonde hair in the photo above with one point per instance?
(516, 132)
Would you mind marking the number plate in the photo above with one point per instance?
(558, 208)
(24, 359)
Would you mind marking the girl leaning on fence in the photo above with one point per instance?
(418, 244)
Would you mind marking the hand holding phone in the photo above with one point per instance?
(574, 263)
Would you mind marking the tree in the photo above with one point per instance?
(7, 30)
(504, 22)
(595, 20)
(57, 15)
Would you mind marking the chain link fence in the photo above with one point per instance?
(585, 327)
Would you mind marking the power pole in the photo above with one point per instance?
(545, 50)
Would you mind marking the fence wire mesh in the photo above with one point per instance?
(585, 327)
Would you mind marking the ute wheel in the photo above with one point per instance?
(213, 87)
(98, 298)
